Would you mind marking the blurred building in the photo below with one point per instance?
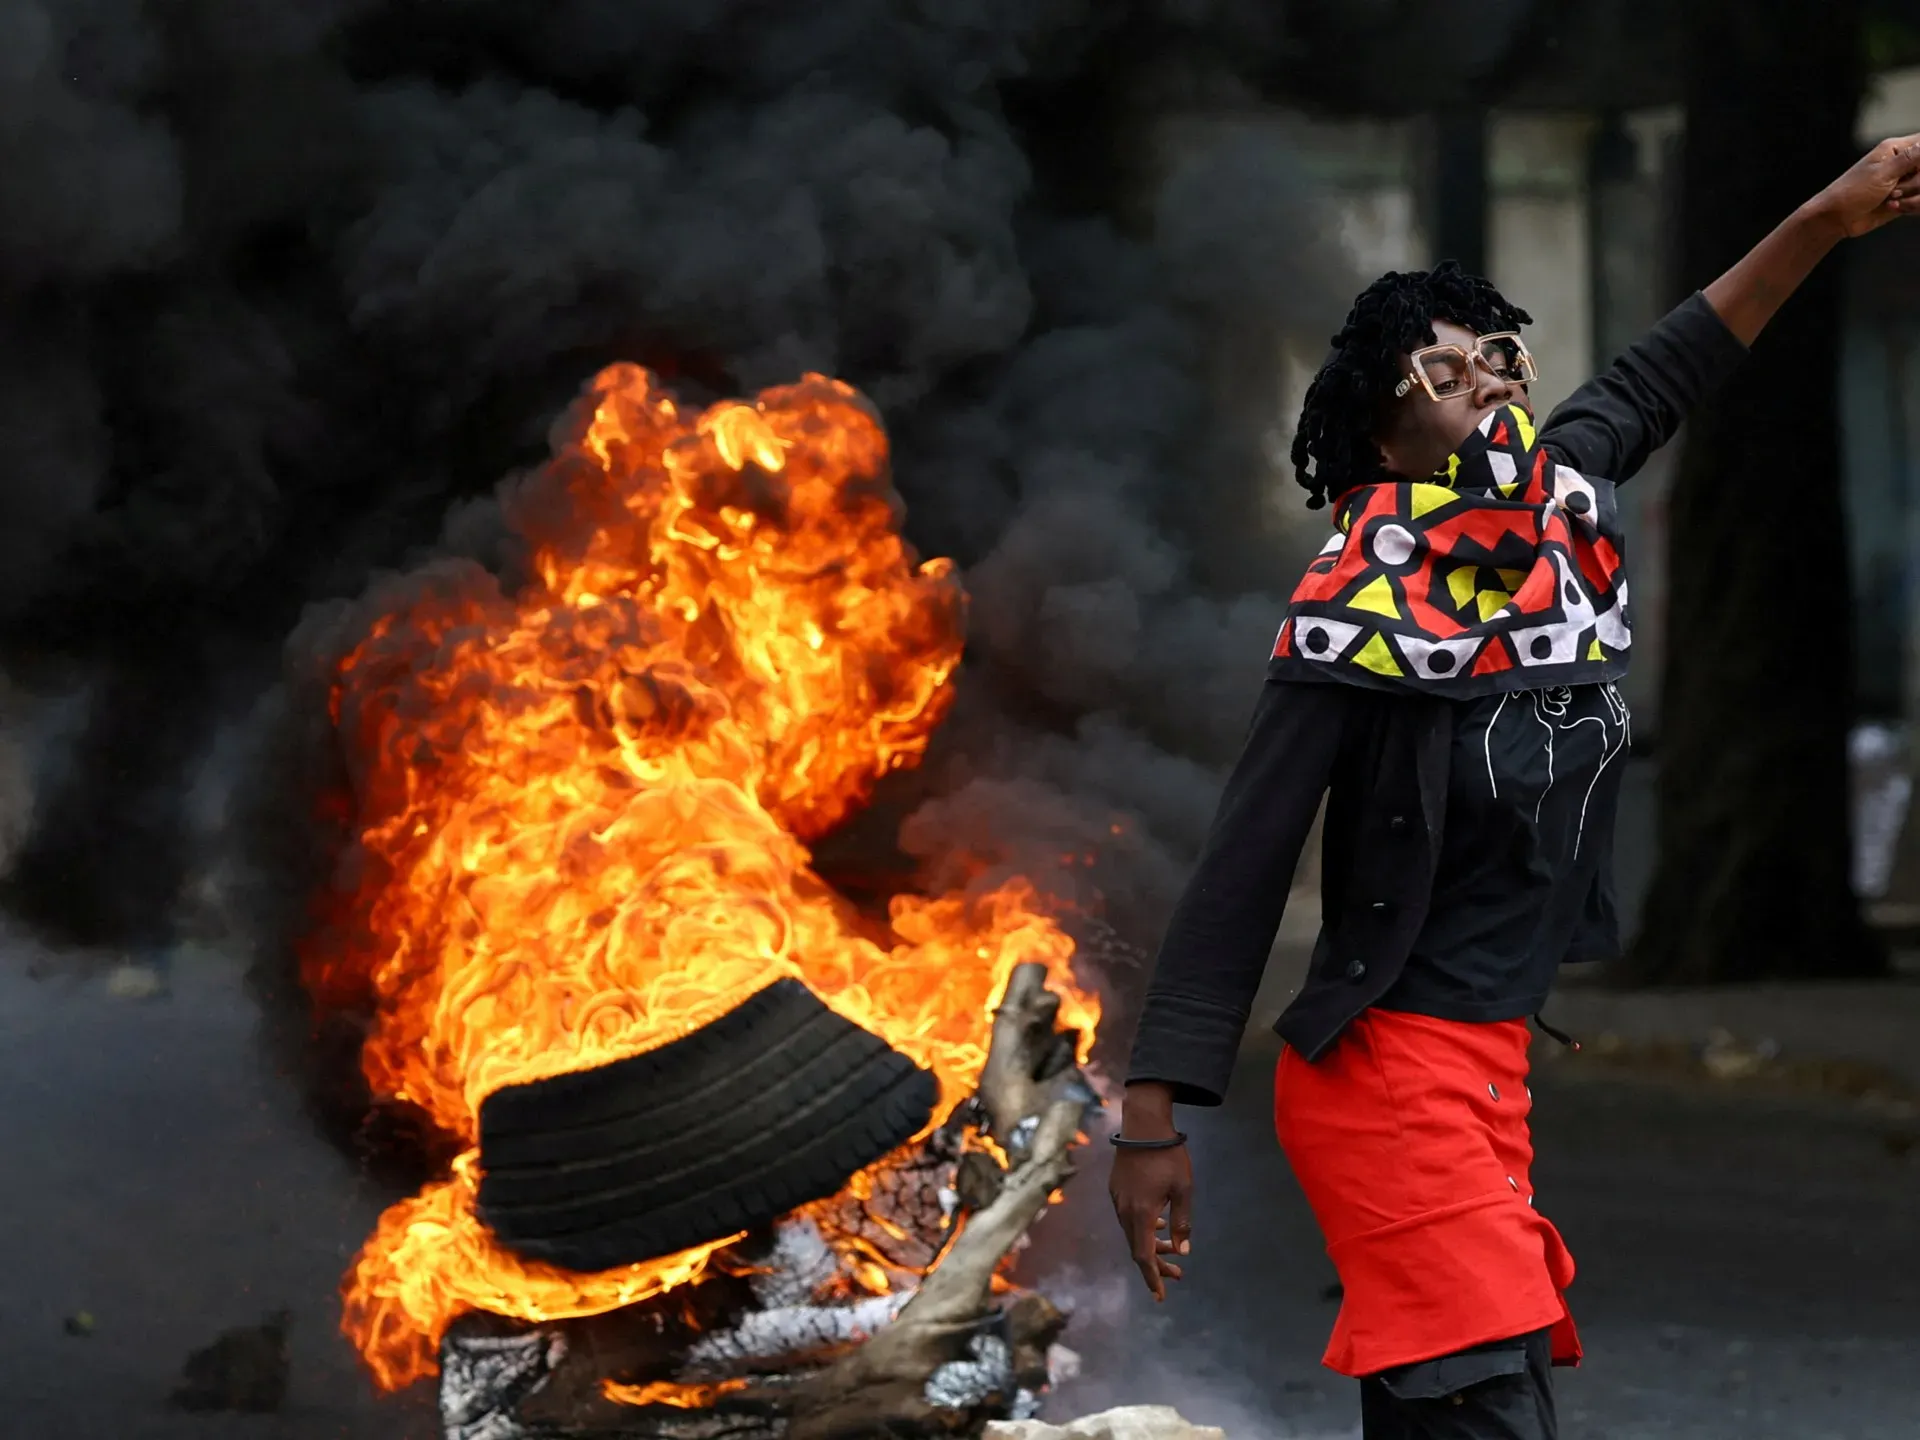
(1881, 412)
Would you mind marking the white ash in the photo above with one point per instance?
(788, 1327)
(483, 1379)
(800, 1263)
(791, 1332)
(1129, 1422)
(965, 1384)
(687, 1425)
(1022, 1136)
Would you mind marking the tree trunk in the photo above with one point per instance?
(1459, 200)
(1753, 875)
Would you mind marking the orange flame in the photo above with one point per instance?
(581, 809)
(665, 1392)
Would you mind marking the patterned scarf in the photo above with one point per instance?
(1502, 573)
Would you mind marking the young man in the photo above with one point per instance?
(1446, 677)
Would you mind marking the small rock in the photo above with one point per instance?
(79, 1324)
(135, 982)
(1062, 1364)
(1725, 1058)
(1033, 1324)
(244, 1369)
(1129, 1422)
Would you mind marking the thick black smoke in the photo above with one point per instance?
(286, 290)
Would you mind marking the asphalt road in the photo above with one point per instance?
(1750, 1269)
(157, 1179)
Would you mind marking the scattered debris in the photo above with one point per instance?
(1129, 1422)
(483, 1378)
(1726, 1060)
(1062, 1364)
(244, 1369)
(131, 981)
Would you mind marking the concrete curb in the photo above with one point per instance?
(1872, 1023)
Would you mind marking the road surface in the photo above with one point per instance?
(1750, 1269)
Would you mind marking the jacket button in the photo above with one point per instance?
(1356, 969)
(1377, 906)
(1398, 822)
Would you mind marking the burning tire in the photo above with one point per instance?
(776, 1103)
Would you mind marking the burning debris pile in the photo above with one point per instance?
(732, 1157)
(871, 1312)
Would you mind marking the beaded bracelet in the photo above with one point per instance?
(1171, 1142)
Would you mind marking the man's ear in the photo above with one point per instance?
(1387, 439)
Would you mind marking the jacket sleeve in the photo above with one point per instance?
(1215, 951)
(1610, 425)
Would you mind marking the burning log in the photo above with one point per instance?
(776, 1350)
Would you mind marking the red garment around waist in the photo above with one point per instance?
(1410, 1140)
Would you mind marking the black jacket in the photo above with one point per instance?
(1382, 761)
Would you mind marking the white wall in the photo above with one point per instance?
(1892, 106)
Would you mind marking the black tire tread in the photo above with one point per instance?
(679, 1121)
(774, 1104)
(721, 1147)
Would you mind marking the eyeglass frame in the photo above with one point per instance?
(1419, 375)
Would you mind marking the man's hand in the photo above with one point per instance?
(1152, 1190)
(1882, 185)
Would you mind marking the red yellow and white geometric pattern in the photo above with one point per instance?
(1505, 573)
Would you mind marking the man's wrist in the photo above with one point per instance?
(1822, 219)
(1146, 1111)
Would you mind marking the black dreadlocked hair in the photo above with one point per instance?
(1333, 447)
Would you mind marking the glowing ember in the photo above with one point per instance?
(663, 1392)
(581, 809)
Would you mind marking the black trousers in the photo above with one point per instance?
(1502, 1391)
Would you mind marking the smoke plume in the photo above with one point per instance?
(287, 291)
(291, 294)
